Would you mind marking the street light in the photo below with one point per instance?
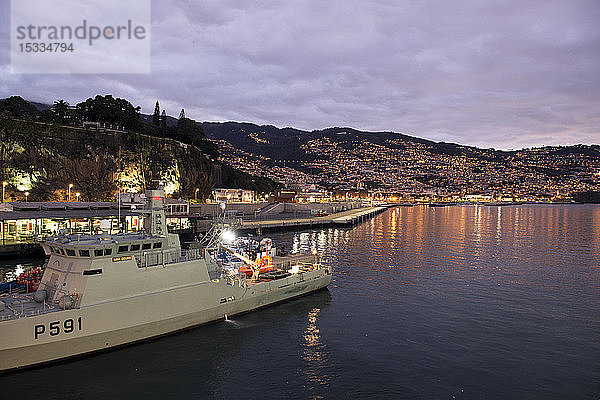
(77, 194)
(70, 186)
(196, 194)
(26, 195)
(3, 189)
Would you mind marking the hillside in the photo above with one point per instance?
(44, 158)
(345, 158)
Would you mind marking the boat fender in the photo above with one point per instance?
(2, 306)
(40, 296)
(65, 302)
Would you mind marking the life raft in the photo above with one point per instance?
(266, 265)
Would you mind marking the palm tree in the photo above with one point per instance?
(60, 108)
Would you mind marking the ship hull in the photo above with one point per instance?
(50, 337)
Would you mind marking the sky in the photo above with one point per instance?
(490, 73)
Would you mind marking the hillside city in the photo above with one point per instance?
(407, 170)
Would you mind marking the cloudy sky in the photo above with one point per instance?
(502, 73)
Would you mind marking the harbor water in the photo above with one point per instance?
(461, 302)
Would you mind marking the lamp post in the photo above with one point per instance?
(77, 195)
(70, 186)
(196, 194)
(26, 196)
(3, 189)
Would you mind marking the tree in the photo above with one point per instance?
(182, 114)
(111, 110)
(163, 121)
(156, 115)
(191, 132)
(60, 109)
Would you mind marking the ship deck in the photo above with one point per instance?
(22, 305)
(285, 262)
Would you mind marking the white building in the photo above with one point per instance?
(233, 195)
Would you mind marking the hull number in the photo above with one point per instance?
(56, 328)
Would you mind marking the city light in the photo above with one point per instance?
(3, 189)
(26, 196)
(70, 186)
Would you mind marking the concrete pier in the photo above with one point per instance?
(344, 218)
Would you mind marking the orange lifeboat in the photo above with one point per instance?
(266, 265)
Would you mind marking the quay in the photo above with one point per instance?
(344, 218)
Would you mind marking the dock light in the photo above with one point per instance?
(77, 194)
(228, 236)
(196, 194)
(70, 186)
(26, 196)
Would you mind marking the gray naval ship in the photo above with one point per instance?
(102, 291)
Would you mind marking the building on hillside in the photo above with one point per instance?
(233, 195)
(284, 196)
(312, 197)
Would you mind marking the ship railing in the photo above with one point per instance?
(191, 254)
(145, 260)
(306, 266)
(20, 312)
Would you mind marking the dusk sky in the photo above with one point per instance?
(503, 74)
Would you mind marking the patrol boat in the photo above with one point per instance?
(103, 291)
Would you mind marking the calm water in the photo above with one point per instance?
(426, 303)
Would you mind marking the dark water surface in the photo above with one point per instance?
(427, 303)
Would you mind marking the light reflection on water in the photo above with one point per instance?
(315, 352)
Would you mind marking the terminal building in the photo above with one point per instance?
(24, 222)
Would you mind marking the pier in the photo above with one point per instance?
(345, 218)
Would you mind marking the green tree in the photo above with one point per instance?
(111, 110)
(163, 122)
(60, 109)
(156, 115)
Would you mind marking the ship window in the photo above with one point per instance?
(157, 245)
(107, 252)
(71, 252)
(92, 272)
(123, 249)
(135, 247)
(52, 250)
(98, 253)
(146, 246)
(84, 253)
(61, 251)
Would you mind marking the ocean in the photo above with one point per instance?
(460, 302)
